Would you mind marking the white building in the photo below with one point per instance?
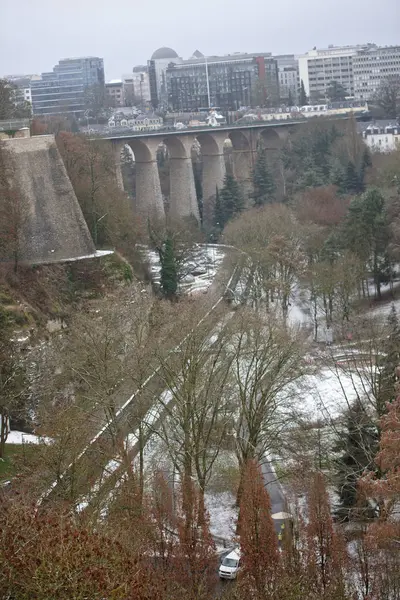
(147, 123)
(371, 67)
(317, 68)
(157, 68)
(27, 93)
(288, 75)
(23, 83)
(141, 84)
(135, 122)
(128, 90)
(382, 139)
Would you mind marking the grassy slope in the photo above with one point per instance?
(35, 294)
(17, 456)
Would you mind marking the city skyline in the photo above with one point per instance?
(117, 37)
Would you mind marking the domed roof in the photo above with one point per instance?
(164, 53)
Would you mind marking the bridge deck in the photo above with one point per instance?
(169, 131)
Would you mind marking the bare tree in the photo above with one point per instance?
(106, 208)
(267, 359)
(197, 407)
(270, 237)
(388, 96)
(12, 384)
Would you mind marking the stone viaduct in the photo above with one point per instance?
(183, 202)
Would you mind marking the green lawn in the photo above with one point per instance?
(16, 457)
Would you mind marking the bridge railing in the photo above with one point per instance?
(127, 131)
(114, 132)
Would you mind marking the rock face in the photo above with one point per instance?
(53, 228)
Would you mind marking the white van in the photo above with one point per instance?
(230, 565)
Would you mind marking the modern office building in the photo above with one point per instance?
(227, 82)
(157, 67)
(373, 65)
(288, 74)
(63, 89)
(318, 67)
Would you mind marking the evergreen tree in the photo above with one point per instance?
(335, 91)
(338, 176)
(169, 269)
(199, 188)
(358, 446)
(361, 179)
(263, 182)
(311, 176)
(366, 160)
(365, 163)
(351, 179)
(290, 99)
(231, 199)
(303, 101)
(366, 233)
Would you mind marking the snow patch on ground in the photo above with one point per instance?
(383, 310)
(97, 254)
(19, 437)
(326, 395)
(200, 269)
(299, 313)
(223, 514)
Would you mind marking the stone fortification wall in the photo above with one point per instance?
(53, 227)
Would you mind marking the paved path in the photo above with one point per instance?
(275, 491)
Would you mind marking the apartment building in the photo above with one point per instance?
(371, 67)
(115, 93)
(318, 67)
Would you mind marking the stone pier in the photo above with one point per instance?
(243, 157)
(117, 147)
(243, 164)
(149, 200)
(212, 151)
(183, 199)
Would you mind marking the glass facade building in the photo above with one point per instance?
(231, 81)
(62, 91)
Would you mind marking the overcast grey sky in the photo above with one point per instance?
(35, 34)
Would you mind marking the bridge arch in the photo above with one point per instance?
(239, 140)
(243, 149)
(243, 141)
(270, 138)
(210, 143)
(213, 160)
(182, 194)
(177, 148)
(141, 150)
(148, 197)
